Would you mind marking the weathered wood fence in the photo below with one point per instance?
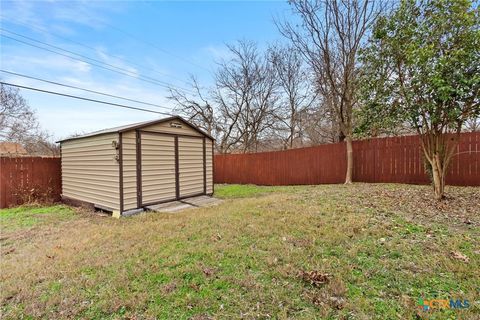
(26, 179)
(397, 159)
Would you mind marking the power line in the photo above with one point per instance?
(127, 34)
(86, 57)
(123, 70)
(120, 70)
(83, 89)
(32, 27)
(83, 98)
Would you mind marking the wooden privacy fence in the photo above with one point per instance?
(26, 179)
(397, 159)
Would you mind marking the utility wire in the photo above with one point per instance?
(83, 98)
(86, 57)
(31, 27)
(130, 73)
(129, 35)
(120, 70)
(83, 89)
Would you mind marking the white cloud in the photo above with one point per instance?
(60, 115)
(63, 116)
(47, 15)
(218, 52)
(113, 61)
(50, 63)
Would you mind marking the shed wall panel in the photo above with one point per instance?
(209, 164)
(129, 170)
(158, 167)
(90, 171)
(190, 160)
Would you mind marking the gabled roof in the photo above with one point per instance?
(137, 125)
(12, 148)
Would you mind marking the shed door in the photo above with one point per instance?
(157, 168)
(191, 166)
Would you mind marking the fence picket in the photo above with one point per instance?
(24, 179)
(397, 160)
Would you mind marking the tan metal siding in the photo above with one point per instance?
(166, 128)
(158, 167)
(90, 170)
(209, 162)
(129, 170)
(190, 163)
(158, 164)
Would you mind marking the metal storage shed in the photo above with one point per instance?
(130, 167)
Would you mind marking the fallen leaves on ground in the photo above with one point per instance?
(315, 278)
(459, 256)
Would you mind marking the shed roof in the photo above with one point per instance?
(137, 125)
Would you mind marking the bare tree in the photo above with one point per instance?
(473, 125)
(18, 123)
(16, 116)
(329, 38)
(294, 92)
(40, 144)
(195, 108)
(245, 95)
(317, 126)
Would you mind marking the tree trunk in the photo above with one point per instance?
(438, 175)
(439, 148)
(348, 177)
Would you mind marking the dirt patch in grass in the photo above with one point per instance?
(333, 251)
(459, 208)
(461, 205)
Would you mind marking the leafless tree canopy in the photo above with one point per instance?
(295, 94)
(288, 96)
(329, 38)
(195, 108)
(18, 123)
(261, 100)
(245, 95)
(473, 124)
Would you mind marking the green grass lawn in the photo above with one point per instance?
(364, 251)
(29, 216)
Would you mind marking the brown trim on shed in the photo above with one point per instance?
(213, 167)
(177, 173)
(87, 136)
(146, 124)
(139, 133)
(77, 203)
(158, 202)
(138, 126)
(138, 143)
(176, 199)
(204, 167)
(120, 169)
(85, 204)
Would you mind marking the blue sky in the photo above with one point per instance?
(164, 40)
